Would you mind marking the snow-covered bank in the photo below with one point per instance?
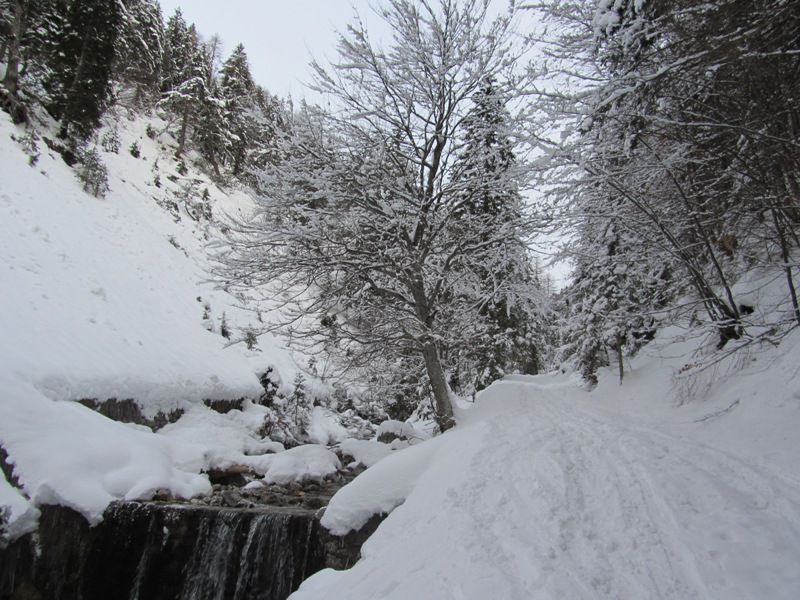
(548, 491)
(97, 302)
(109, 298)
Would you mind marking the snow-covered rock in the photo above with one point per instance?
(310, 461)
(365, 452)
(325, 427)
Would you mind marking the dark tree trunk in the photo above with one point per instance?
(12, 51)
(182, 136)
(441, 392)
(433, 365)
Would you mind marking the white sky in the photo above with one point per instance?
(279, 36)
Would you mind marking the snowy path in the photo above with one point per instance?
(543, 495)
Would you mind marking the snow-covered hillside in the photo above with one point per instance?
(682, 483)
(109, 298)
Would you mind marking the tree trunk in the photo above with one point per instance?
(182, 136)
(441, 392)
(619, 359)
(11, 77)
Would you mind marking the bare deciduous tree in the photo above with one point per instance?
(364, 217)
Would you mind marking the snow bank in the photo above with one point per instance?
(298, 464)
(104, 306)
(64, 453)
(219, 441)
(19, 517)
(385, 486)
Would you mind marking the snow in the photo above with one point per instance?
(310, 461)
(220, 441)
(21, 517)
(325, 427)
(365, 452)
(681, 483)
(404, 430)
(104, 306)
(64, 453)
(104, 298)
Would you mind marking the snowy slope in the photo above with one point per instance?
(545, 490)
(105, 298)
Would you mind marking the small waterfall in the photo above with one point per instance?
(151, 551)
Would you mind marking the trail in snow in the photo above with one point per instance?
(542, 495)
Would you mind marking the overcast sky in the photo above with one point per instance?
(278, 35)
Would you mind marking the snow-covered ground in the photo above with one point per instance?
(679, 484)
(110, 298)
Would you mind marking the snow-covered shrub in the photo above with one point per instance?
(92, 173)
(110, 141)
(250, 339)
(135, 150)
(29, 145)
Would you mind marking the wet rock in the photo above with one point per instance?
(128, 411)
(161, 552)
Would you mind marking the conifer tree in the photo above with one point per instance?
(140, 48)
(491, 200)
(240, 109)
(186, 72)
(81, 66)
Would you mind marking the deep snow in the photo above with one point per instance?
(545, 490)
(105, 298)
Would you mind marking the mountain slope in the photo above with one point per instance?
(109, 298)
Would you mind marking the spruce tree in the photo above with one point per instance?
(490, 201)
(238, 93)
(81, 67)
(186, 73)
(140, 48)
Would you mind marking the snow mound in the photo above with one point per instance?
(403, 430)
(310, 461)
(325, 427)
(365, 452)
(64, 453)
(17, 515)
(220, 441)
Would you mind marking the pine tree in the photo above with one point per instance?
(80, 81)
(186, 76)
(502, 340)
(238, 92)
(140, 48)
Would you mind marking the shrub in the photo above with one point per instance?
(92, 173)
(110, 141)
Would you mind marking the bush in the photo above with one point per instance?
(134, 150)
(92, 173)
(250, 339)
(110, 141)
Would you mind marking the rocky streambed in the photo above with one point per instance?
(240, 543)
